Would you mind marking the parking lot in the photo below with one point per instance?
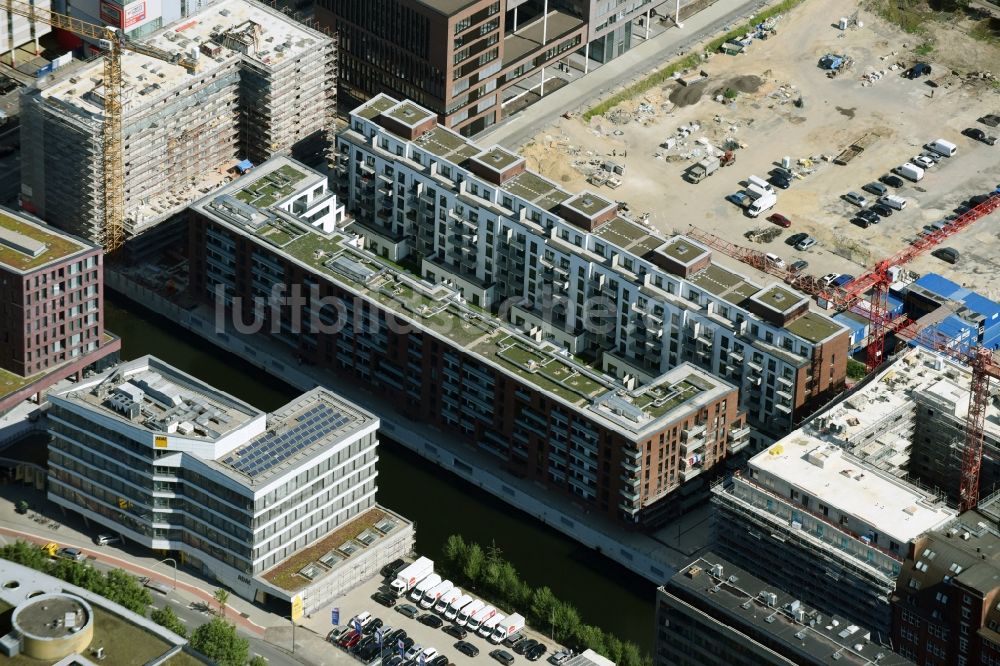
(873, 101)
(359, 600)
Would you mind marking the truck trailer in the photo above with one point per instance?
(411, 575)
(510, 626)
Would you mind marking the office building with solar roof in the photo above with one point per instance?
(171, 463)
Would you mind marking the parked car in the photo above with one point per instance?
(466, 648)
(107, 540)
(932, 156)
(805, 243)
(386, 600)
(828, 279)
(876, 188)
(857, 199)
(779, 180)
(514, 640)
(947, 254)
(842, 279)
(352, 639)
(456, 631)
(431, 620)
(525, 645)
(923, 161)
(413, 651)
(869, 216)
(918, 70)
(68, 553)
(409, 610)
(779, 219)
(979, 135)
(407, 644)
(396, 635)
(439, 660)
(390, 570)
(795, 238)
(892, 201)
(504, 657)
(980, 198)
(881, 209)
(536, 653)
(560, 656)
(892, 181)
(799, 266)
(370, 628)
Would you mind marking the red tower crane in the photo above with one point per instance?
(867, 295)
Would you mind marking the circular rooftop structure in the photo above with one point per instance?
(54, 625)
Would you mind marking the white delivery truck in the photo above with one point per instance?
(486, 629)
(892, 201)
(455, 607)
(761, 183)
(423, 586)
(411, 575)
(910, 171)
(483, 614)
(759, 205)
(510, 626)
(432, 595)
(942, 147)
(447, 599)
(468, 611)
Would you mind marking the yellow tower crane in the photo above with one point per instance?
(113, 42)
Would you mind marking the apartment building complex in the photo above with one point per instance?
(461, 58)
(568, 269)
(51, 307)
(264, 85)
(136, 18)
(713, 613)
(623, 449)
(945, 606)
(171, 463)
(812, 518)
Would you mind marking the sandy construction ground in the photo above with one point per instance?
(896, 114)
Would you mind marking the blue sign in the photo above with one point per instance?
(357, 625)
(42, 71)
(421, 660)
(335, 616)
(401, 645)
(378, 637)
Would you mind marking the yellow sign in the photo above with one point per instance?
(160, 442)
(296, 607)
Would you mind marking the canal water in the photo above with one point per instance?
(440, 503)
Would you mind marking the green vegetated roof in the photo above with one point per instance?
(57, 245)
(270, 188)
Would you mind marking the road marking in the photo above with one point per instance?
(177, 601)
(182, 619)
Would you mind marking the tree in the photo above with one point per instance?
(614, 648)
(25, 553)
(542, 603)
(631, 656)
(79, 574)
(474, 560)
(165, 617)
(455, 550)
(589, 636)
(566, 621)
(125, 589)
(258, 661)
(222, 597)
(509, 585)
(217, 639)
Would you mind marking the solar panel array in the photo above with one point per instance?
(274, 448)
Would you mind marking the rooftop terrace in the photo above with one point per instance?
(26, 245)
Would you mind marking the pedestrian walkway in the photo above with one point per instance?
(621, 72)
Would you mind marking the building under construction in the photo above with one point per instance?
(265, 85)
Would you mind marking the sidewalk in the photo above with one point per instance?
(619, 73)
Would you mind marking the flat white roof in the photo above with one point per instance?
(824, 472)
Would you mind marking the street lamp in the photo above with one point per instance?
(292, 620)
(172, 561)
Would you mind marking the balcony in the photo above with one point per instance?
(737, 434)
(692, 445)
(691, 433)
(689, 472)
(631, 480)
(630, 466)
(630, 495)
(628, 508)
(634, 454)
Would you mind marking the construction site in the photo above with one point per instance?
(231, 86)
(779, 100)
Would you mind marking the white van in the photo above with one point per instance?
(761, 183)
(892, 201)
(774, 260)
(761, 204)
(910, 171)
(942, 147)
